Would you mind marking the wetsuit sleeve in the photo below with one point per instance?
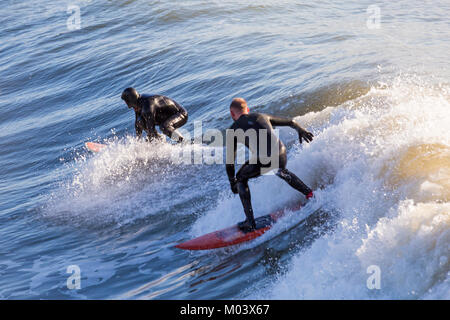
(302, 133)
(150, 121)
(284, 122)
(138, 128)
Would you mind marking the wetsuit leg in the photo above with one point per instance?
(247, 171)
(291, 178)
(171, 124)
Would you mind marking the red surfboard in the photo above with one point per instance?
(94, 146)
(234, 235)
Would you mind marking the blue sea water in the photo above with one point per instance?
(370, 80)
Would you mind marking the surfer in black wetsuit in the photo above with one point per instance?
(275, 150)
(153, 110)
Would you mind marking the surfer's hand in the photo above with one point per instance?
(303, 134)
(233, 184)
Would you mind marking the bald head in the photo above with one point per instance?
(238, 107)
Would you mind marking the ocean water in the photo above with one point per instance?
(369, 79)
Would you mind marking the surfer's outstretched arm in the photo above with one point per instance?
(150, 129)
(302, 133)
(282, 122)
(138, 127)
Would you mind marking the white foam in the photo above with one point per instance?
(384, 155)
(128, 180)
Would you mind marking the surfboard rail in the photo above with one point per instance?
(94, 146)
(234, 235)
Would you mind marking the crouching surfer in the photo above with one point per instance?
(274, 148)
(156, 110)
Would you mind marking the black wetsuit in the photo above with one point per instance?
(239, 184)
(162, 111)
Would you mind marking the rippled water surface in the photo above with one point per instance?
(374, 89)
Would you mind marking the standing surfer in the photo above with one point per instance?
(263, 125)
(153, 110)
